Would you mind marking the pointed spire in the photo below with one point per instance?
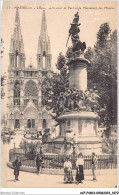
(44, 40)
(17, 20)
(43, 52)
(17, 40)
(44, 33)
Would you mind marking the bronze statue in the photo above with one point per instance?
(73, 32)
(76, 19)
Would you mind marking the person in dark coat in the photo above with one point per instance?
(39, 162)
(79, 169)
(16, 165)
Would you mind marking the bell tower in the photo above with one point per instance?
(43, 52)
(16, 75)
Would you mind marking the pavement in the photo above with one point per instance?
(32, 180)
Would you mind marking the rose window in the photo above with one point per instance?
(31, 89)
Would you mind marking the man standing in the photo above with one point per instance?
(68, 177)
(39, 162)
(94, 166)
(16, 165)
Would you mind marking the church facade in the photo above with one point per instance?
(25, 110)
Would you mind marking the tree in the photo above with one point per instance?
(110, 139)
(53, 86)
(102, 74)
(103, 35)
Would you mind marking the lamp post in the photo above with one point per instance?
(14, 150)
(74, 152)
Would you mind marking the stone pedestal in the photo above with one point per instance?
(83, 124)
(78, 72)
(83, 127)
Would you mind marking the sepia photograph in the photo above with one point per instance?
(59, 94)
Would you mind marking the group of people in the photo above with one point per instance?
(68, 176)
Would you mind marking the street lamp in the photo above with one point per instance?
(74, 151)
(14, 150)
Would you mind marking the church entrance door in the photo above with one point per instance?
(17, 123)
(31, 123)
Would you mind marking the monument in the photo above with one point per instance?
(78, 118)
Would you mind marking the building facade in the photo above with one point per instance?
(25, 110)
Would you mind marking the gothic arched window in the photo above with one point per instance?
(17, 89)
(44, 59)
(31, 89)
(16, 58)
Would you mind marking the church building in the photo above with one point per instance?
(25, 110)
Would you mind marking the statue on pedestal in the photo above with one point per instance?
(73, 32)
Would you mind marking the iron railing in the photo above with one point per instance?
(57, 161)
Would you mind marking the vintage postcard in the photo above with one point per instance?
(59, 94)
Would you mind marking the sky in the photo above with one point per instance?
(59, 15)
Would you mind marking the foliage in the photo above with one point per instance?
(61, 61)
(52, 86)
(69, 53)
(110, 139)
(102, 74)
(103, 34)
(30, 149)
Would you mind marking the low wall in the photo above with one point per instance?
(52, 161)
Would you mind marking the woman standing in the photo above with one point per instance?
(79, 169)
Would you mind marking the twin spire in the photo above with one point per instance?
(17, 40)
